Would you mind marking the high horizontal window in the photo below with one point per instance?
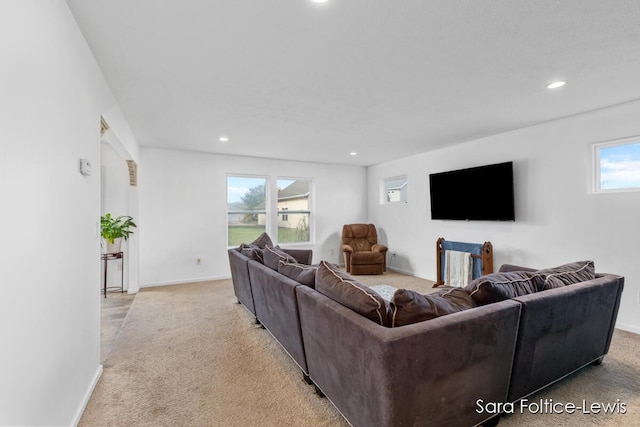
(617, 165)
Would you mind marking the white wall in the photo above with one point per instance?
(186, 192)
(53, 94)
(558, 218)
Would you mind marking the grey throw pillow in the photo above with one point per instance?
(497, 287)
(305, 274)
(567, 274)
(409, 307)
(343, 289)
(273, 255)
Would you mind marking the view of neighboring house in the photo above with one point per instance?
(294, 197)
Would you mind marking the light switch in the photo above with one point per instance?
(85, 167)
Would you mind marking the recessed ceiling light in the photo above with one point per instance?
(223, 139)
(555, 85)
(319, 1)
(353, 153)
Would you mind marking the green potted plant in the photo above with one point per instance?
(114, 230)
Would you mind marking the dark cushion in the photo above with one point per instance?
(409, 307)
(252, 252)
(305, 274)
(273, 255)
(496, 287)
(567, 274)
(343, 289)
(358, 258)
(262, 241)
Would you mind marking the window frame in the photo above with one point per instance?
(596, 165)
(384, 196)
(266, 211)
(286, 211)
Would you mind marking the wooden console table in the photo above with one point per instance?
(109, 257)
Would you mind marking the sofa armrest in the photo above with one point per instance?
(347, 248)
(303, 256)
(238, 264)
(428, 373)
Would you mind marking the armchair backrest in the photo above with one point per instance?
(361, 237)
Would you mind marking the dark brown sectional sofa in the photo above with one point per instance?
(436, 372)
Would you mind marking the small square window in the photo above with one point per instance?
(617, 165)
(395, 189)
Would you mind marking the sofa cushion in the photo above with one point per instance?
(252, 252)
(262, 241)
(274, 254)
(343, 289)
(305, 274)
(409, 307)
(567, 274)
(496, 287)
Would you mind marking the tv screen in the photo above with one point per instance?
(483, 193)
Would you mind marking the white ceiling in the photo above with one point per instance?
(291, 79)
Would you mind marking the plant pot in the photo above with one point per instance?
(113, 248)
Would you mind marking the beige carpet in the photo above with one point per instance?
(188, 355)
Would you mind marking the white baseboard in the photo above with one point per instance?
(178, 282)
(87, 396)
(628, 328)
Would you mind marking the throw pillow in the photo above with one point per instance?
(252, 252)
(343, 289)
(567, 274)
(409, 307)
(273, 255)
(497, 287)
(305, 274)
(262, 241)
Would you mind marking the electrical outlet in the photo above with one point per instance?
(333, 251)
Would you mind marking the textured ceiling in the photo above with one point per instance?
(292, 79)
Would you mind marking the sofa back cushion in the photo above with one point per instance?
(567, 274)
(262, 241)
(343, 289)
(252, 251)
(273, 255)
(305, 274)
(409, 307)
(496, 287)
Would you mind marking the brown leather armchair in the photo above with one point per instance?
(362, 253)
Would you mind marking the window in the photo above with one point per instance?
(246, 208)
(294, 210)
(395, 189)
(617, 165)
(249, 213)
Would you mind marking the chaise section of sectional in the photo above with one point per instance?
(277, 309)
(433, 373)
(562, 330)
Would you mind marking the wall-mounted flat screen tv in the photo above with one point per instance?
(483, 193)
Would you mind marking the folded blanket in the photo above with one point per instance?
(457, 268)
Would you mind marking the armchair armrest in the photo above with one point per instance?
(347, 248)
(379, 248)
